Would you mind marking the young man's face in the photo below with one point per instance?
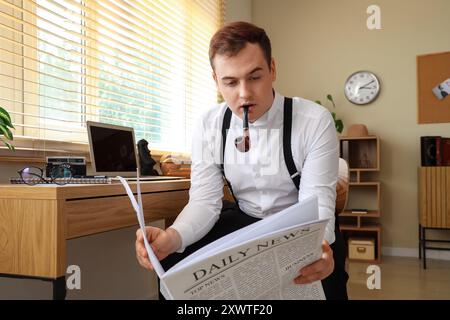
(245, 79)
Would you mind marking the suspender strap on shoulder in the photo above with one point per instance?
(225, 127)
(287, 150)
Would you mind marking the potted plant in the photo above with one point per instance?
(337, 122)
(5, 133)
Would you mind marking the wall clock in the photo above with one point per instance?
(362, 87)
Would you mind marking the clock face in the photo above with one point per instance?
(362, 87)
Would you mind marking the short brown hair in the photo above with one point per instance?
(233, 37)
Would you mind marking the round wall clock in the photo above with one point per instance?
(362, 87)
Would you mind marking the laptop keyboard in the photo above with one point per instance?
(33, 181)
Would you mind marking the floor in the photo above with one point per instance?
(401, 278)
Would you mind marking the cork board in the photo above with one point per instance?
(432, 69)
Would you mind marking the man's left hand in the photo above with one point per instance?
(318, 270)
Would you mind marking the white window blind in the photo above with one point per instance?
(137, 63)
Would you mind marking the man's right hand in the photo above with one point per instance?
(163, 243)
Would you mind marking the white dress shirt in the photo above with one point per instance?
(259, 177)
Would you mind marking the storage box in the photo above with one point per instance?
(361, 248)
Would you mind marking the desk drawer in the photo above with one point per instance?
(31, 238)
(94, 215)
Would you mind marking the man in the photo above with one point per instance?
(263, 180)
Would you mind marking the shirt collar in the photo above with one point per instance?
(269, 117)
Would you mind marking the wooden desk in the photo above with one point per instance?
(36, 221)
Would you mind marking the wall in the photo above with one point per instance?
(318, 43)
(109, 269)
(238, 10)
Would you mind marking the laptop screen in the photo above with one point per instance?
(112, 149)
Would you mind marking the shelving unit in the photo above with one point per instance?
(363, 157)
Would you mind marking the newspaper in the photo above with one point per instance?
(259, 261)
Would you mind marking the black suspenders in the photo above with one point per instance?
(225, 127)
(287, 151)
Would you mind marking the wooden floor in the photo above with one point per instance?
(402, 278)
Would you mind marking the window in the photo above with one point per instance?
(137, 63)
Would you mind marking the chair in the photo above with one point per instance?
(342, 186)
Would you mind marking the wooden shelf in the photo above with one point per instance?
(369, 184)
(358, 138)
(369, 214)
(364, 169)
(363, 157)
(374, 228)
(366, 261)
(361, 153)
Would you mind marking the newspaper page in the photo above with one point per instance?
(262, 268)
(259, 261)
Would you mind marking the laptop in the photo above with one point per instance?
(113, 152)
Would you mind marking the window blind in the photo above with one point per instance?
(137, 63)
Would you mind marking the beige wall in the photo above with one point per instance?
(318, 43)
(238, 10)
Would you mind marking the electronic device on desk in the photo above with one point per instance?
(113, 152)
(77, 164)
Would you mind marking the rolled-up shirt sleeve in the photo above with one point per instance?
(205, 195)
(320, 171)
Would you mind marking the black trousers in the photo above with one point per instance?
(232, 219)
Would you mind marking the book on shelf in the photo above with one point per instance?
(445, 151)
(435, 151)
(428, 150)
